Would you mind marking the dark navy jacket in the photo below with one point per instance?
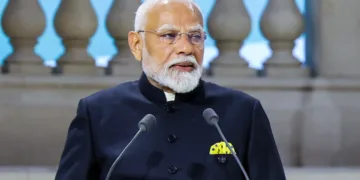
(178, 147)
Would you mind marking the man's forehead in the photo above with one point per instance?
(173, 27)
(174, 15)
(189, 3)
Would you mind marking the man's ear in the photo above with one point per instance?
(135, 44)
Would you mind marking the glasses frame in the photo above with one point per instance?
(178, 36)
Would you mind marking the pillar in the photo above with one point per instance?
(23, 22)
(229, 24)
(119, 21)
(281, 24)
(76, 22)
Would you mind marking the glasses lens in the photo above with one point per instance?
(168, 38)
(196, 38)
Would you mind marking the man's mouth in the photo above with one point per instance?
(184, 66)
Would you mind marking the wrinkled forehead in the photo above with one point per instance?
(175, 15)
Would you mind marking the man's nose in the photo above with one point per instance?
(183, 45)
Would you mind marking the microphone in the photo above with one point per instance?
(146, 123)
(213, 119)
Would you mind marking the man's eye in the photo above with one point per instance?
(169, 36)
(195, 37)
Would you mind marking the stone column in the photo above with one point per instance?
(23, 22)
(229, 24)
(336, 38)
(282, 23)
(76, 22)
(119, 22)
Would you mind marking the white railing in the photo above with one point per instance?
(76, 22)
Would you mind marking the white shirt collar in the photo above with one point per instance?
(169, 96)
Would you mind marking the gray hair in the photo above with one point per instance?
(140, 17)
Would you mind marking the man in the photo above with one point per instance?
(169, 41)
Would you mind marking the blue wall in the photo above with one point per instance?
(50, 47)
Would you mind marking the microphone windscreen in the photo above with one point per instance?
(148, 122)
(210, 116)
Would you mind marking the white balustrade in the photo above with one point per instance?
(76, 22)
(282, 23)
(119, 21)
(23, 22)
(229, 24)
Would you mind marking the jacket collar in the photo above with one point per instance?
(157, 96)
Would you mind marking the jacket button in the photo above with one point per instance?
(169, 107)
(172, 169)
(222, 159)
(172, 138)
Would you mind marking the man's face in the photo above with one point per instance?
(171, 59)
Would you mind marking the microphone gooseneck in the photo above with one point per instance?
(146, 123)
(213, 119)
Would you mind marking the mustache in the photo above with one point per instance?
(183, 59)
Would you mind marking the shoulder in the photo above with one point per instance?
(112, 93)
(232, 96)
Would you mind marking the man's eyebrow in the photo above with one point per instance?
(170, 27)
(196, 28)
(167, 27)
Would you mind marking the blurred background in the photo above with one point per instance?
(102, 48)
(299, 57)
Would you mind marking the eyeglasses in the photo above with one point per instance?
(196, 38)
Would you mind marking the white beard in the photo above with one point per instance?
(179, 82)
